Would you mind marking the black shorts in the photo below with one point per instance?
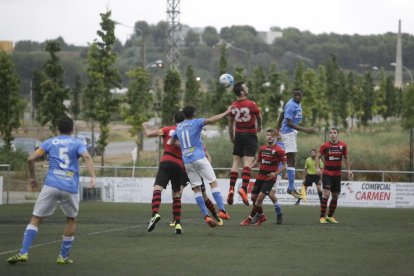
(332, 183)
(187, 181)
(170, 171)
(312, 178)
(264, 186)
(245, 144)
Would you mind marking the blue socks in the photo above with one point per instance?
(66, 246)
(291, 178)
(218, 198)
(278, 209)
(200, 202)
(28, 238)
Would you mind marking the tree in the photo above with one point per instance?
(333, 87)
(408, 110)
(138, 99)
(309, 102)
(11, 104)
(369, 99)
(259, 90)
(356, 97)
(53, 91)
(274, 99)
(380, 106)
(210, 36)
(221, 97)
(343, 98)
(391, 98)
(76, 98)
(37, 78)
(103, 76)
(171, 99)
(192, 89)
(300, 69)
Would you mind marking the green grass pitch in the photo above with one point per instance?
(112, 239)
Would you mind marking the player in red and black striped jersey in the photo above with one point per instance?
(171, 168)
(268, 159)
(333, 152)
(245, 120)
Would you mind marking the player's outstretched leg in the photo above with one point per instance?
(324, 203)
(177, 214)
(249, 219)
(233, 180)
(202, 205)
(63, 257)
(212, 210)
(279, 214)
(332, 207)
(28, 238)
(291, 180)
(245, 183)
(155, 205)
(219, 200)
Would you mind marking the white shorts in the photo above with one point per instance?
(289, 139)
(278, 178)
(49, 196)
(200, 169)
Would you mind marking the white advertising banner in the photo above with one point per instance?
(368, 194)
(353, 193)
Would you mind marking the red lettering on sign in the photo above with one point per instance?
(382, 196)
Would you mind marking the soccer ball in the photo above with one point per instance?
(226, 80)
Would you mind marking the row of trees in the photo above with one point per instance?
(333, 94)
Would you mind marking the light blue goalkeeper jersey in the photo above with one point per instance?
(63, 152)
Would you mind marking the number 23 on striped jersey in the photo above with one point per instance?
(241, 114)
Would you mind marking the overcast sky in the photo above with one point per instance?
(77, 20)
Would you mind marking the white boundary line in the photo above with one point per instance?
(79, 236)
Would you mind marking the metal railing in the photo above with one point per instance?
(150, 171)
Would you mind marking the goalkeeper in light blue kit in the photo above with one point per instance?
(61, 184)
(188, 133)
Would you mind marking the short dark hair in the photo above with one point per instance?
(237, 88)
(297, 89)
(65, 125)
(313, 150)
(335, 128)
(179, 117)
(189, 111)
(270, 130)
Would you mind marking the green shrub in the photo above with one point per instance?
(16, 159)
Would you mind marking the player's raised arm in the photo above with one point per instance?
(217, 117)
(151, 132)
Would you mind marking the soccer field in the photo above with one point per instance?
(112, 239)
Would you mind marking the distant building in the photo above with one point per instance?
(6, 46)
(270, 36)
